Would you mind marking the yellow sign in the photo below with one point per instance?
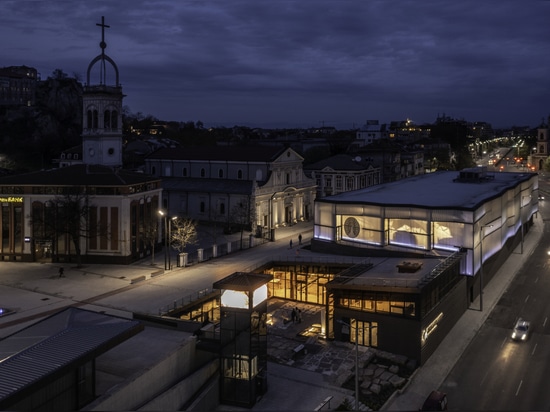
(12, 199)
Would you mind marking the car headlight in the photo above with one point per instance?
(523, 337)
(513, 335)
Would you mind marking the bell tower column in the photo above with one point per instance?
(102, 113)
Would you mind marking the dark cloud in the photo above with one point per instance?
(300, 62)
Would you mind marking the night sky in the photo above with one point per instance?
(299, 63)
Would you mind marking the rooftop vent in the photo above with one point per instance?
(474, 175)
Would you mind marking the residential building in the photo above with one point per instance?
(342, 173)
(18, 86)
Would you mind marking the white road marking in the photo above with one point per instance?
(519, 387)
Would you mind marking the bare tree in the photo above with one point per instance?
(68, 215)
(243, 216)
(184, 232)
(149, 235)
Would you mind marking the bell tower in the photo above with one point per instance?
(102, 116)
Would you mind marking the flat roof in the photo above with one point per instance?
(394, 272)
(442, 190)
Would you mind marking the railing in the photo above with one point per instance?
(186, 300)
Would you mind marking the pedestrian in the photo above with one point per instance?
(61, 272)
(293, 315)
(291, 243)
(299, 316)
(300, 239)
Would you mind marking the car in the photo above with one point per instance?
(521, 330)
(436, 401)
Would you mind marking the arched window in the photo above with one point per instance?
(202, 208)
(107, 119)
(114, 119)
(222, 208)
(153, 170)
(203, 172)
(239, 174)
(220, 173)
(184, 172)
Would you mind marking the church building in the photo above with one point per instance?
(116, 218)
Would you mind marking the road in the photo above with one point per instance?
(495, 372)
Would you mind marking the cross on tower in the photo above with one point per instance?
(102, 25)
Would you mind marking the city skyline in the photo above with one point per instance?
(299, 63)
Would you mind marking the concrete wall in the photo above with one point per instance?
(183, 392)
(148, 384)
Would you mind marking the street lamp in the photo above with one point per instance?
(521, 218)
(356, 360)
(163, 214)
(169, 237)
(481, 265)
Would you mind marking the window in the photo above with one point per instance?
(222, 208)
(239, 174)
(203, 172)
(349, 183)
(184, 172)
(202, 207)
(338, 182)
(220, 173)
(288, 178)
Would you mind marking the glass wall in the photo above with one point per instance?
(298, 284)
(388, 303)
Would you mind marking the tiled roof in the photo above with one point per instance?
(79, 175)
(197, 184)
(56, 345)
(342, 162)
(224, 153)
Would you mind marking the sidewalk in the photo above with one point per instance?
(432, 374)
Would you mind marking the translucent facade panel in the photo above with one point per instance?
(367, 230)
(324, 213)
(371, 210)
(409, 232)
(407, 213)
(349, 209)
(324, 232)
(448, 234)
(446, 215)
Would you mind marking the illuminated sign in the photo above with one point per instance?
(431, 328)
(12, 199)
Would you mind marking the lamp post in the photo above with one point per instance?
(169, 239)
(356, 360)
(521, 218)
(481, 265)
(163, 214)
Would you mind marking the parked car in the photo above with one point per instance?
(521, 330)
(436, 401)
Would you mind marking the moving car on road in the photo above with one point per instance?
(521, 330)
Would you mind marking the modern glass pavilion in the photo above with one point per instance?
(472, 209)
